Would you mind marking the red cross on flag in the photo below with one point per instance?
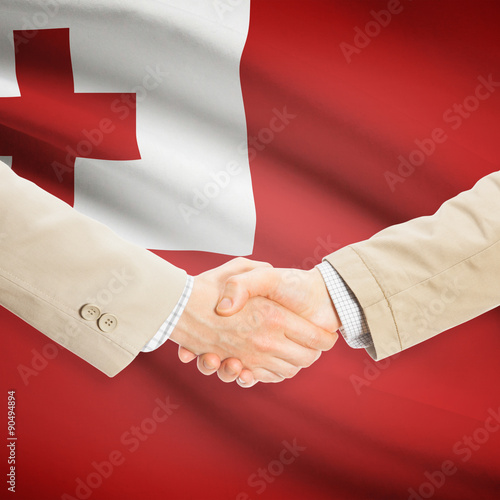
(49, 125)
(140, 128)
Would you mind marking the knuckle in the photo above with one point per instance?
(313, 340)
(263, 343)
(290, 372)
(274, 316)
(241, 261)
(330, 340)
(232, 281)
(243, 330)
(255, 320)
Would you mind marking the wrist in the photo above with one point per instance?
(325, 305)
(193, 330)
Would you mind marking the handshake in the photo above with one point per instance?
(251, 322)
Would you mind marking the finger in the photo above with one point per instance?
(246, 379)
(266, 376)
(230, 369)
(239, 288)
(275, 368)
(208, 363)
(185, 356)
(306, 333)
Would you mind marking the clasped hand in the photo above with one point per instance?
(251, 322)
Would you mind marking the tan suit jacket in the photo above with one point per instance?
(54, 261)
(417, 279)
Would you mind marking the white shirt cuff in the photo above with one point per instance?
(354, 327)
(167, 328)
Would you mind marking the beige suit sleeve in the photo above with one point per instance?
(53, 261)
(417, 279)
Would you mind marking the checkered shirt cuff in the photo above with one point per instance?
(167, 328)
(354, 327)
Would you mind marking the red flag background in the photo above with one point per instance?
(378, 120)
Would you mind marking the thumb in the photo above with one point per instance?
(239, 288)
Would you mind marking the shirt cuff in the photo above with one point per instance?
(354, 327)
(167, 328)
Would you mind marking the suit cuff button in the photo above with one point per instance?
(107, 323)
(90, 312)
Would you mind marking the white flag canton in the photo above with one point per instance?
(191, 189)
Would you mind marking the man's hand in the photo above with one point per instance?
(269, 340)
(303, 292)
